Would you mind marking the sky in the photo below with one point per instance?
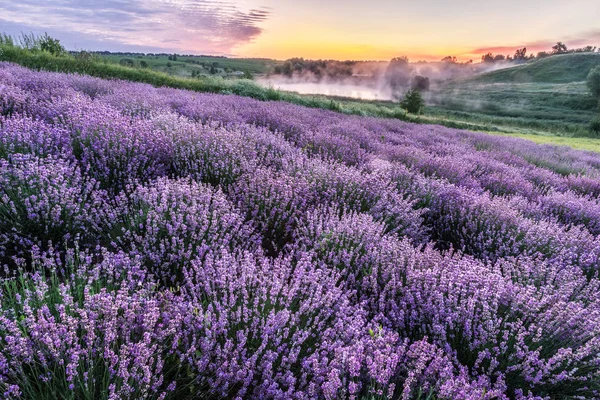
(316, 29)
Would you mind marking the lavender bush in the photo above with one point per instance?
(163, 244)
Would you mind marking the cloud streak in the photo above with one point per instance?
(175, 25)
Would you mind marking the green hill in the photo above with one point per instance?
(565, 68)
(548, 95)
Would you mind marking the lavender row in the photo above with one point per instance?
(157, 243)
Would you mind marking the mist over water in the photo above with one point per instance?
(352, 90)
(370, 80)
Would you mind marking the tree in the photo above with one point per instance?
(450, 59)
(174, 57)
(397, 73)
(559, 48)
(51, 45)
(420, 83)
(487, 58)
(127, 62)
(520, 54)
(593, 82)
(413, 102)
(143, 64)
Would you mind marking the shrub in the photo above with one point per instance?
(101, 333)
(413, 102)
(51, 45)
(126, 62)
(593, 82)
(47, 202)
(172, 222)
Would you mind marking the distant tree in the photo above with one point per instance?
(397, 73)
(287, 69)
(593, 82)
(559, 48)
(413, 102)
(499, 57)
(487, 58)
(213, 70)
(420, 83)
(169, 65)
(543, 54)
(520, 55)
(84, 56)
(170, 58)
(248, 75)
(174, 57)
(127, 62)
(450, 59)
(143, 64)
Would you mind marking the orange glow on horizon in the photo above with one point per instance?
(332, 51)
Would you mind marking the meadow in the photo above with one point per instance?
(186, 65)
(158, 243)
(543, 100)
(547, 96)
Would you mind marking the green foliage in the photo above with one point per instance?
(128, 62)
(413, 102)
(6, 40)
(593, 81)
(31, 42)
(143, 64)
(51, 45)
(595, 126)
(559, 48)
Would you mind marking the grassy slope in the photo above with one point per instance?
(200, 64)
(562, 68)
(547, 95)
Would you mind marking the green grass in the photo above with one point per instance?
(548, 95)
(184, 66)
(563, 68)
(590, 144)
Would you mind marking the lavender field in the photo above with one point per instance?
(163, 244)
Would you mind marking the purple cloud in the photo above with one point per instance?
(167, 25)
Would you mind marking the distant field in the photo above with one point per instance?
(204, 65)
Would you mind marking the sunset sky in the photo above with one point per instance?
(281, 29)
